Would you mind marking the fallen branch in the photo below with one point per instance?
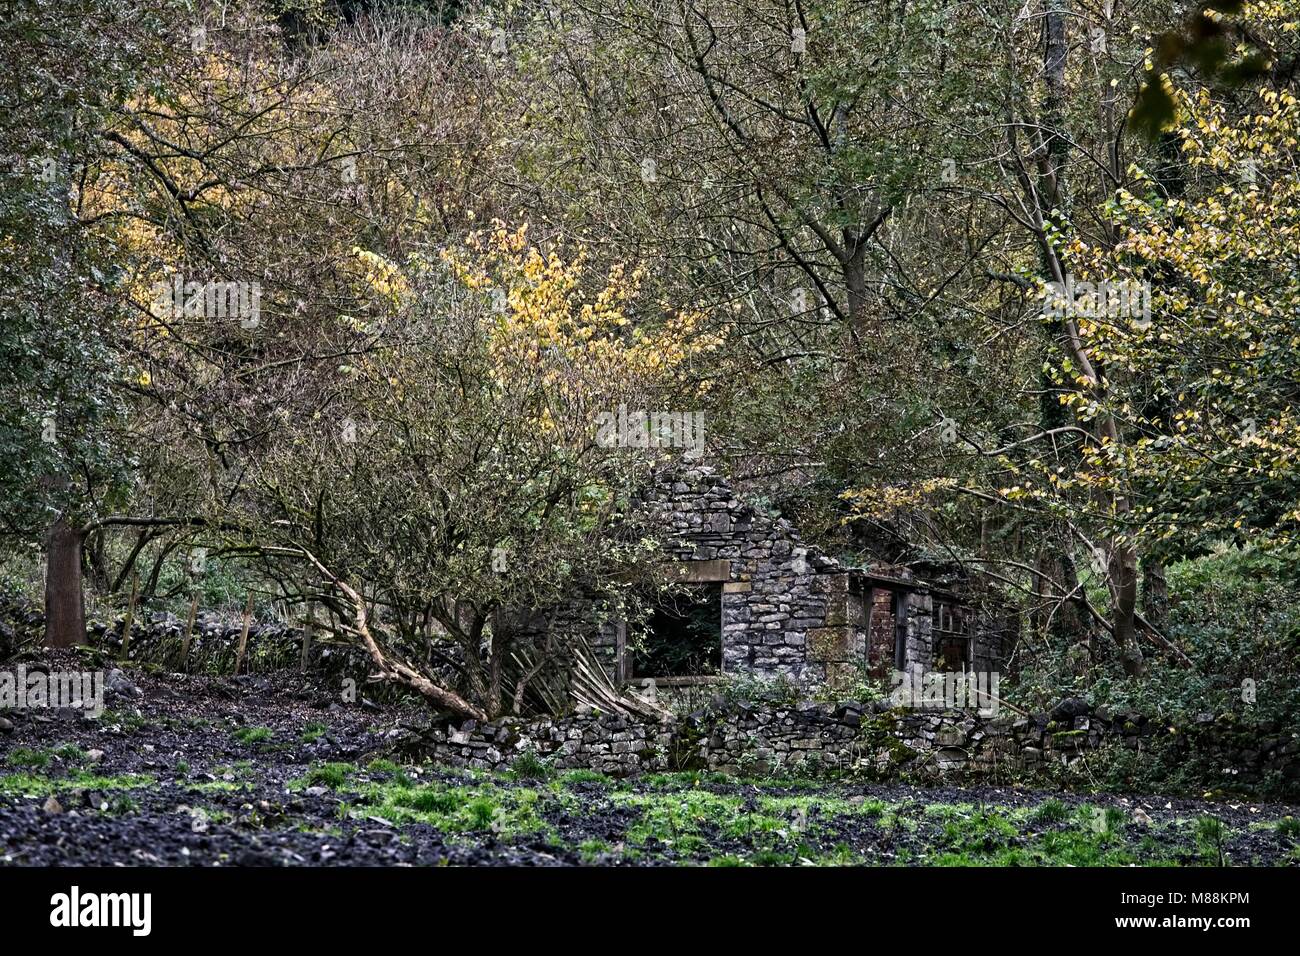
(1159, 639)
(395, 671)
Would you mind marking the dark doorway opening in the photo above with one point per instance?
(684, 635)
(898, 605)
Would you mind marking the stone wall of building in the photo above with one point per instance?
(815, 739)
(788, 612)
(783, 604)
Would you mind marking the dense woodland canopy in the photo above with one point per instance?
(427, 244)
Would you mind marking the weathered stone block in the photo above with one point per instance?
(700, 571)
(829, 644)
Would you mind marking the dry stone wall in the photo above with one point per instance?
(814, 739)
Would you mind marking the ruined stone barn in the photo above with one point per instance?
(754, 601)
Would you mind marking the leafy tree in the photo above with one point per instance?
(452, 473)
(72, 66)
(1205, 390)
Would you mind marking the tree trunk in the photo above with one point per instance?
(1055, 145)
(65, 606)
(1155, 593)
(498, 647)
(855, 280)
(395, 670)
(1124, 591)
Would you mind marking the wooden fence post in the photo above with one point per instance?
(307, 634)
(243, 637)
(129, 621)
(189, 634)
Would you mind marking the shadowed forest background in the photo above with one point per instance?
(311, 307)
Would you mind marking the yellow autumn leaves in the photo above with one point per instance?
(561, 340)
(887, 501)
(546, 312)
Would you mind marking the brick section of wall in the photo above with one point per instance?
(882, 634)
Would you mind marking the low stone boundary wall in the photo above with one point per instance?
(814, 739)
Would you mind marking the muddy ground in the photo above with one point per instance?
(272, 771)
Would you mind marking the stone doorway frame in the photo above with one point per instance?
(714, 571)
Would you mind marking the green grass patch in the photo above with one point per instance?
(253, 735)
(29, 757)
(34, 758)
(332, 775)
(504, 811)
(591, 850)
(1212, 838)
(313, 732)
(33, 785)
(573, 777)
(218, 786)
(529, 766)
(70, 753)
(128, 722)
(677, 817)
(1050, 811)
